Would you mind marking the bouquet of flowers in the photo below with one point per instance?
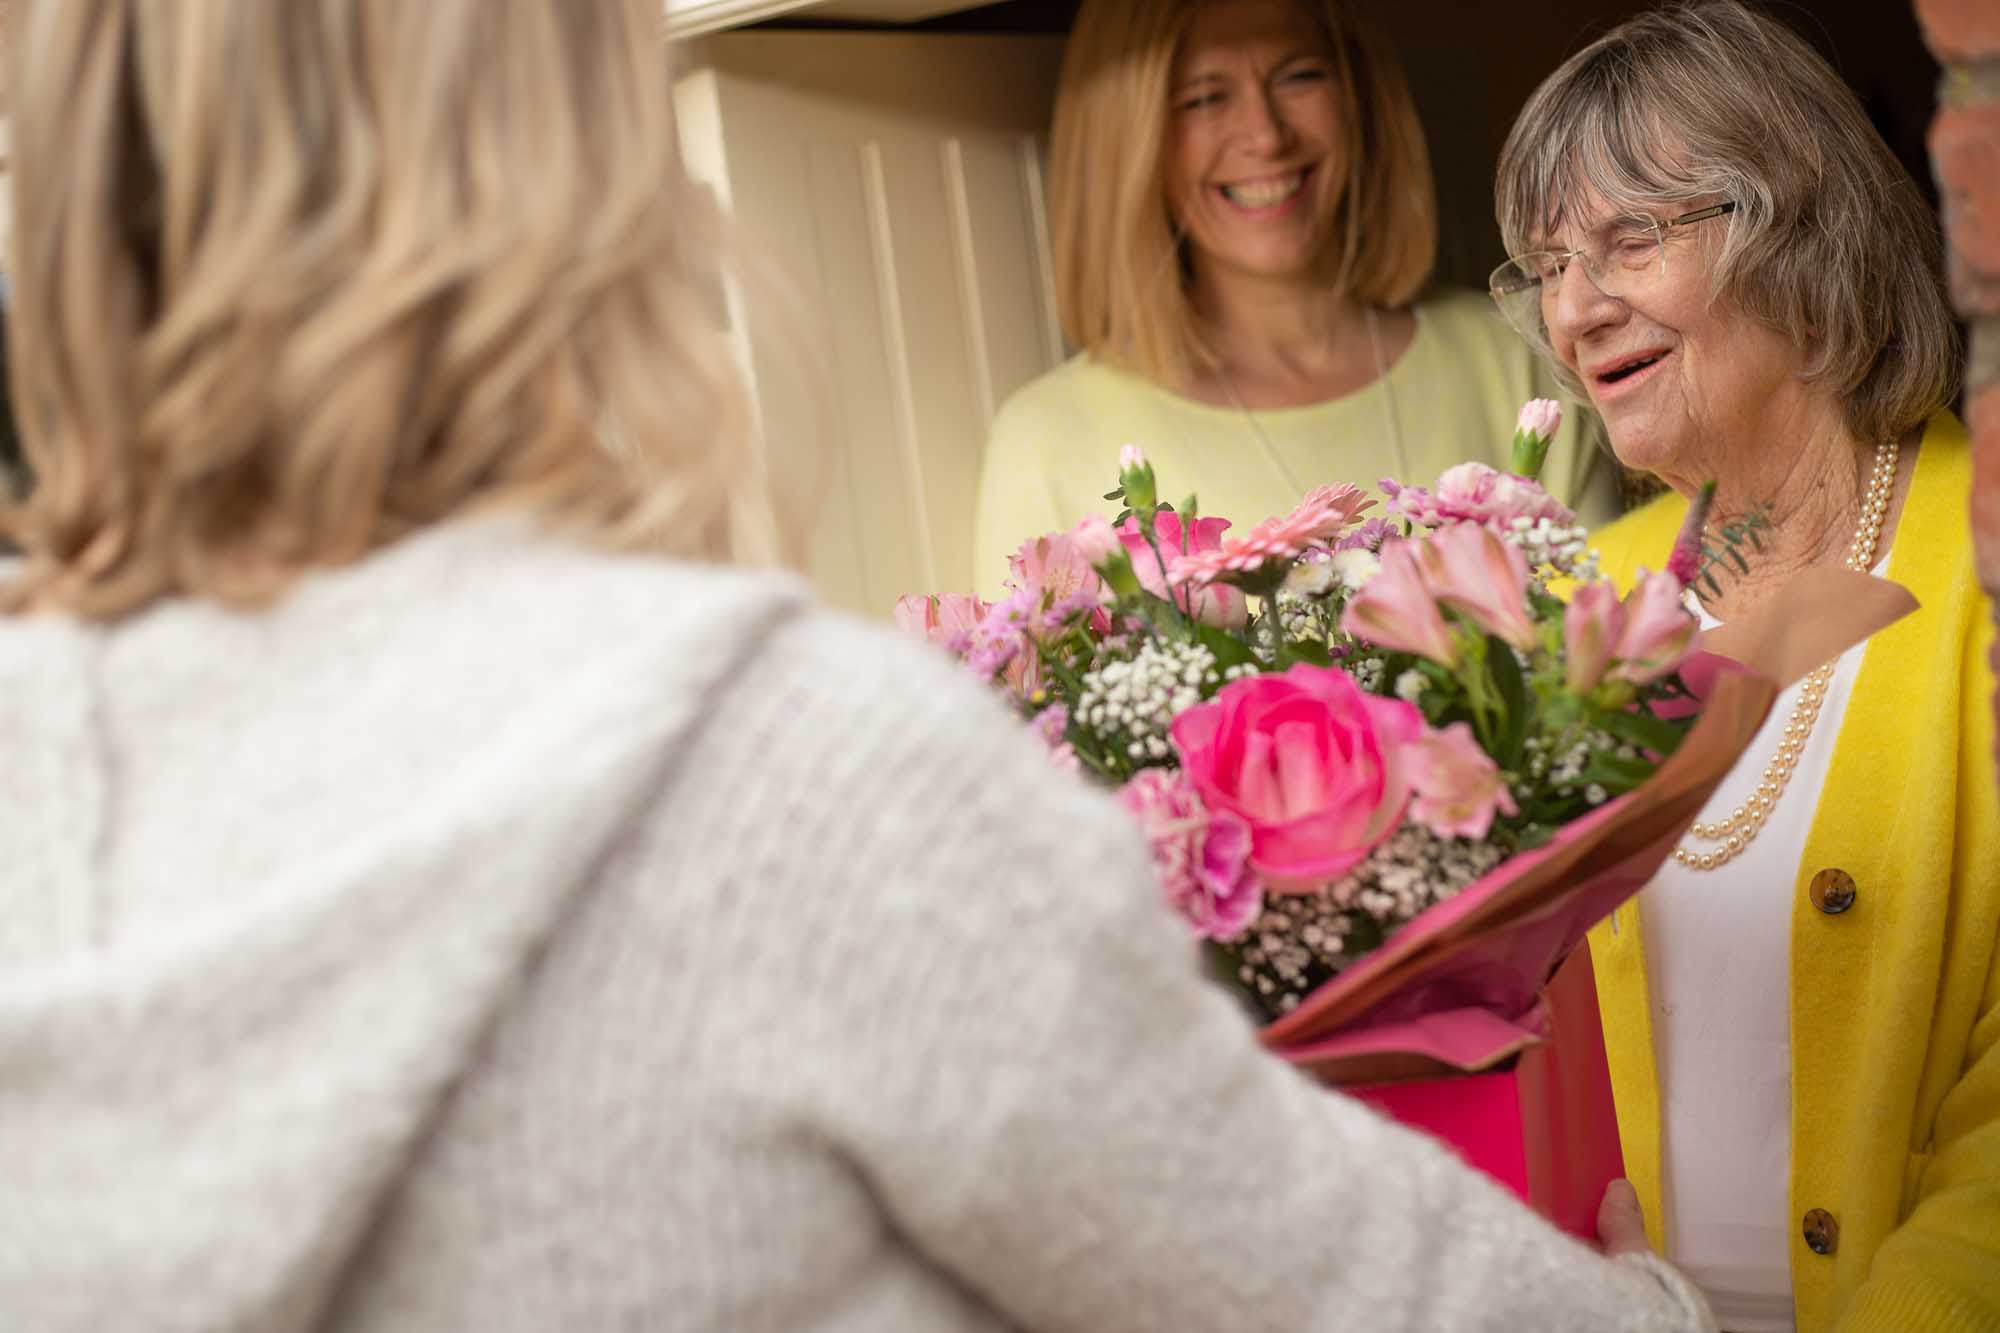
(1390, 777)
(1341, 719)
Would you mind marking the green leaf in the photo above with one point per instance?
(1513, 690)
(1309, 650)
(1643, 730)
(1118, 494)
(1617, 776)
(1228, 649)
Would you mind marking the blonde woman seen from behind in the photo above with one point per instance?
(440, 893)
(1243, 218)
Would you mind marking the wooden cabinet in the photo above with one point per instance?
(895, 182)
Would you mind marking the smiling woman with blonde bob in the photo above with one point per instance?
(1802, 1012)
(1243, 220)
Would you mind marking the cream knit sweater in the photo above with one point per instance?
(502, 936)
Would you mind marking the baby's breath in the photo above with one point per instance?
(1131, 702)
(1300, 940)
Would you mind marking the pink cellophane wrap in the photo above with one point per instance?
(1457, 988)
(1461, 1023)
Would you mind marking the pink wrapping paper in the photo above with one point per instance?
(1457, 988)
(1461, 1023)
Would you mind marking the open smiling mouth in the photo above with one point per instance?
(1625, 370)
(1268, 193)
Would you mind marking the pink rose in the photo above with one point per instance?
(1395, 609)
(1658, 630)
(1471, 570)
(1476, 493)
(1309, 761)
(1458, 786)
(1221, 606)
(1201, 855)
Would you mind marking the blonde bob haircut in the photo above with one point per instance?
(294, 278)
(1123, 281)
(1830, 243)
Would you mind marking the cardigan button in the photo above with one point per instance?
(1821, 1231)
(1832, 891)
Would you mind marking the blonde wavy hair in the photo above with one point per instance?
(294, 279)
(1121, 273)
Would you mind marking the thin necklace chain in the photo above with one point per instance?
(1733, 834)
(1389, 411)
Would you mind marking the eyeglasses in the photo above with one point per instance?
(1629, 256)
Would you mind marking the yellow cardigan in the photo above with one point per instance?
(1895, 1003)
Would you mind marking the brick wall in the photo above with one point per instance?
(1965, 156)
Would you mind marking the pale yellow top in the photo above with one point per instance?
(1053, 450)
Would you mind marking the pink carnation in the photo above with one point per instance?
(1539, 417)
(1476, 493)
(1202, 856)
(1314, 522)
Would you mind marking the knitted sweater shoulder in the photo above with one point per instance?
(500, 935)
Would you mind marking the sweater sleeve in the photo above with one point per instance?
(1050, 1101)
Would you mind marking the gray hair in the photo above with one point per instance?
(1830, 242)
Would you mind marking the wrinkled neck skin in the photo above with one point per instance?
(1799, 460)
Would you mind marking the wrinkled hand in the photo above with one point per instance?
(1621, 1227)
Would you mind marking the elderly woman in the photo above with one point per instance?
(1802, 1010)
(435, 895)
(1243, 218)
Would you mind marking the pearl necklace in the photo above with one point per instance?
(1747, 820)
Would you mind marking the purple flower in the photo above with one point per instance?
(1685, 562)
(1368, 537)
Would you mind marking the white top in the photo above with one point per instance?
(498, 935)
(1722, 1029)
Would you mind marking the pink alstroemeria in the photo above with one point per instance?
(1476, 493)
(1395, 609)
(1458, 786)
(1050, 568)
(1658, 630)
(1593, 622)
(1221, 606)
(1202, 856)
(1315, 521)
(1471, 570)
(938, 618)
